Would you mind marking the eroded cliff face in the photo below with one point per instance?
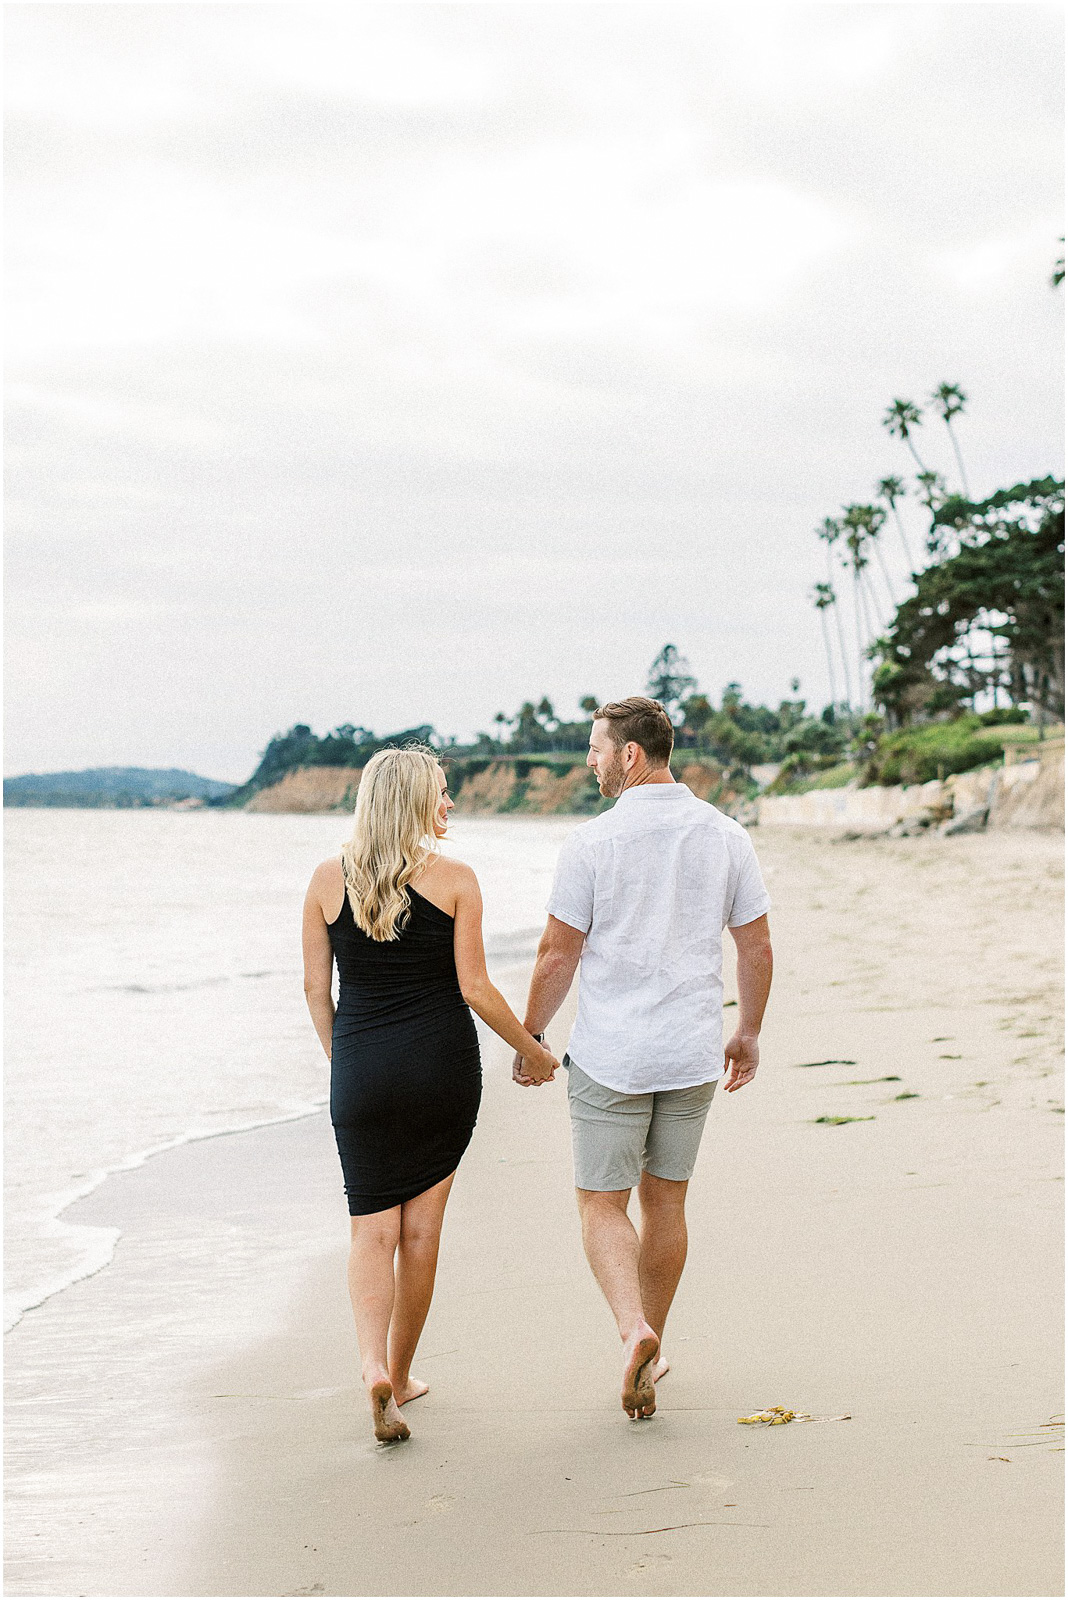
(526, 787)
(310, 789)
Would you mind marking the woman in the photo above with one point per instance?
(405, 927)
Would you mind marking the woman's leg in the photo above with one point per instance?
(417, 1260)
(372, 1291)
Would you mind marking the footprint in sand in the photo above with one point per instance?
(652, 1559)
(439, 1503)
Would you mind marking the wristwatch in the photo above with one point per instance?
(539, 1036)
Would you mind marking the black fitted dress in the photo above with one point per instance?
(405, 1074)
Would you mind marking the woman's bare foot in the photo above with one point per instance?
(662, 1366)
(390, 1427)
(639, 1358)
(412, 1389)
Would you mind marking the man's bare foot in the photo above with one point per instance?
(661, 1367)
(390, 1427)
(639, 1358)
(410, 1390)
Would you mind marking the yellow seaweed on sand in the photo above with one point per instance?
(772, 1417)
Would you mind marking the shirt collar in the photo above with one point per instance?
(654, 788)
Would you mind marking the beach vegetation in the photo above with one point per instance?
(986, 620)
(937, 749)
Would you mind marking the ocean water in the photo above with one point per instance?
(153, 994)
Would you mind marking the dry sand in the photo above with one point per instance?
(188, 1422)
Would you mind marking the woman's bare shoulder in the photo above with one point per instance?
(447, 869)
(447, 881)
(329, 871)
(328, 882)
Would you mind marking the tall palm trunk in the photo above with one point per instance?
(872, 608)
(960, 458)
(904, 538)
(862, 689)
(915, 455)
(841, 635)
(884, 569)
(830, 655)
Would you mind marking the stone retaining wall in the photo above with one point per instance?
(1027, 794)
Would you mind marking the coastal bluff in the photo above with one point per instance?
(527, 786)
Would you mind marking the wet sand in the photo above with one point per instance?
(189, 1422)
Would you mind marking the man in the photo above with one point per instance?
(641, 896)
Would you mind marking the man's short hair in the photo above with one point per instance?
(643, 721)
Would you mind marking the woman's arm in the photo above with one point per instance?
(475, 985)
(318, 963)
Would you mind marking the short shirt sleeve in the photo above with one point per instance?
(571, 900)
(751, 899)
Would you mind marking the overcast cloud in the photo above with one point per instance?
(396, 363)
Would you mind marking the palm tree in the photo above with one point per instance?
(932, 492)
(892, 490)
(901, 416)
(823, 595)
(950, 400)
(868, 521)
(830, 531)
(858, 560)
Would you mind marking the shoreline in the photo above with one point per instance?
(101, 1252)
(104, 1254)
(189, 1421)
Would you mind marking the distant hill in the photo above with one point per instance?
(113, 787)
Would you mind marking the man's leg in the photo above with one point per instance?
(671, 1146)
(663, 1250)
(613, 1251)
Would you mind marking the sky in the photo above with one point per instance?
(391, 364)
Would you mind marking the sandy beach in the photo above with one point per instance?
(188, 1422)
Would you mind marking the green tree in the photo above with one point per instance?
(1005, 584)
(830, 531)
(892, 489)
(697, 712)
(868, 521)
(932, 491)
(855, 536)
(670, 680)
(823, 597)
(950, 400)
(813, 737)
(902, 416)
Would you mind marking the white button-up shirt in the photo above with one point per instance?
(652, 884)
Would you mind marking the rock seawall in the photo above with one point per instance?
(1026, 794)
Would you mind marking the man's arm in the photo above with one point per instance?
(741, 1054)
(558, 957)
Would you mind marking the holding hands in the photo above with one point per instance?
(534, 1069)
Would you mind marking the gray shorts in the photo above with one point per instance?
(616, 1137)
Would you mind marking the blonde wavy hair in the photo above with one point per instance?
(393, 838)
